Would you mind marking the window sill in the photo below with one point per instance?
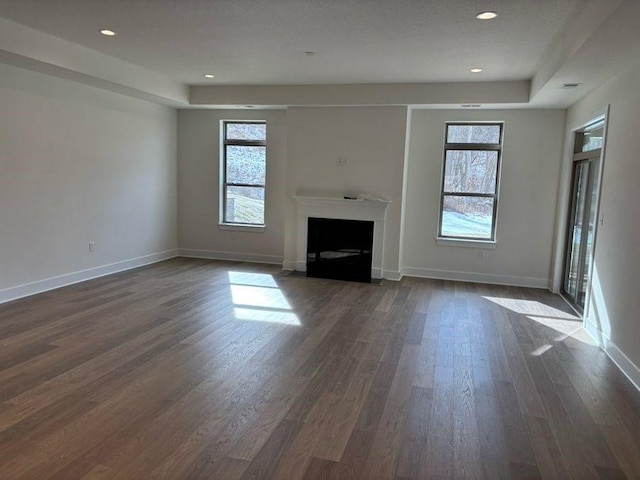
(236, 227)
(455, 242)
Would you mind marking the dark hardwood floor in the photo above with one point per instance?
(194, 369)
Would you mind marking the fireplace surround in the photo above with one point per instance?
(337, 207)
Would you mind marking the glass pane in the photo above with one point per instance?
(592, 139)
(583, 231)
(245, 205)
(572, 281)
(467, 217)
(473, 134)
(246, 164)
(590, 232)
(470, 171)
(593, 212)
(246, 131)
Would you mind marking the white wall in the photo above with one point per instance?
(78, 164)
(527, 202)
(382, 94)
(303, 145)
(613, 312)
(371, 140)
(198, 187)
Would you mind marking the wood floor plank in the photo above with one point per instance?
(526, 391)
(573, 449)
(438, 461)
(549, 457)
(320, 469)
(416, 433)
(492, 443)
(337, 428)
(157, 372)
(384, 452)
(516, 433)
(466, 448)
(263, 464)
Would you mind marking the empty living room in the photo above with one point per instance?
(319, 239)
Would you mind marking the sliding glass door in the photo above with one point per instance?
(583, 213)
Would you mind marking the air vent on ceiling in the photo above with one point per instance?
(570, 86)
(471, 105)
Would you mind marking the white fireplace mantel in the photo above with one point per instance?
(373, 210)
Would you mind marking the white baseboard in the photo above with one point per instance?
(624, 363)
(392, 275)
(27, 289)
(232, 256)
(289, 265)
(511, 280)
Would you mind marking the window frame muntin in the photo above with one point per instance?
(223, 171)
(497, 147)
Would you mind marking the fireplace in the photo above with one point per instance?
(339, 249)
(338, 208)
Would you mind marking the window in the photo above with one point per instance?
(470, 178)
(243, 172)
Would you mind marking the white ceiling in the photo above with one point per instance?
(356, 41)
(408, 52)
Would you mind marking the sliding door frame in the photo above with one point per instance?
(591, 160)
(564, 203)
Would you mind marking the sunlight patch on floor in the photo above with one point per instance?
(255, 279)
(259, 299)
(567, 325)
(564, 327)
(271, 316)
(540, 350)
(265, 297)
(532, 307)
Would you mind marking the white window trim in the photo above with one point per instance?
(457, 242)
(222, 224)
(241, 227)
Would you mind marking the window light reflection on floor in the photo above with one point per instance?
(270, 316)
(257, 298)
(565, 324)
(540, 350)
(255, 279)
(531, 307)
(265, 297)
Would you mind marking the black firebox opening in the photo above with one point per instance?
(339, 249)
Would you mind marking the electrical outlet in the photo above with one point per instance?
(341, 162)
(480, 254)
(92, 246)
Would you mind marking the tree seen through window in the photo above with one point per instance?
(470, 181)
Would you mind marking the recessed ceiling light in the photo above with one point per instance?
(486, 15)
(209, 75)
(107, 32)
(309, 53)
(475, 70)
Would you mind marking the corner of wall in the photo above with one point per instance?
(624, 363)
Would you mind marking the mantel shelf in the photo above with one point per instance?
(315, 200)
